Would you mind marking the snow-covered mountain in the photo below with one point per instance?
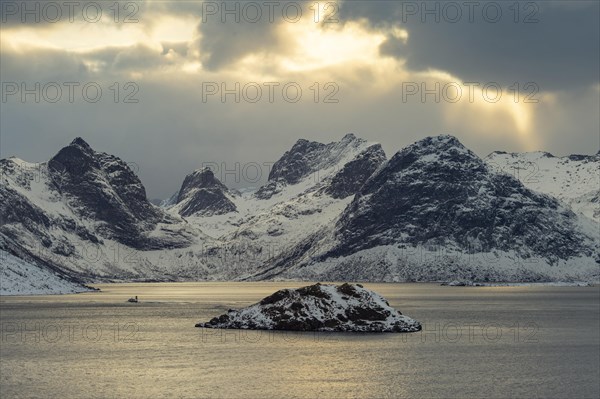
(331, 165)
(86, 213)
(574, 179)
(337, 211)
(83, 212)
(435, 209)
(288, 208)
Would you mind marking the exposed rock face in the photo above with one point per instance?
(347, 307)
(103, 188)
(310, 158)
(202, 194)
(270, 189)
(298, 162)
(355, 173)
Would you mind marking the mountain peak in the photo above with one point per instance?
(205, 171)
(442, 140)
(304, 144)
(203, 194)
(442, 147)
(349, 137)
(76, 158)
(103, 188)
(436, 192)
(201, 178)
(78, 141)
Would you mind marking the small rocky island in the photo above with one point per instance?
(319, 307)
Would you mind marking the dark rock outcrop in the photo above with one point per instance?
(103, 188)
(307, 158)
(202, 194)
(355, 173)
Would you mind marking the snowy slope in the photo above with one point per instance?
(269, 221)
(573, 179)
(18, 277)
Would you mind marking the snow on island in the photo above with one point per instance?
(319, 307)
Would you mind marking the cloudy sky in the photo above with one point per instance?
(190, 83)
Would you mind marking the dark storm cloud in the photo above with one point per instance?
(559, 51)
(230, 31)
(224, 43)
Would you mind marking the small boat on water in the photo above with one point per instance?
(134, 300)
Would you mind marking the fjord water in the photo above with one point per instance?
(484, 342)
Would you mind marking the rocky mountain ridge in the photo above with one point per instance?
(435, 196)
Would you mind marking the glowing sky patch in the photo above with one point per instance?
(317, 47)
(85, 37)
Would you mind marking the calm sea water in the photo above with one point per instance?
(477, 342)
